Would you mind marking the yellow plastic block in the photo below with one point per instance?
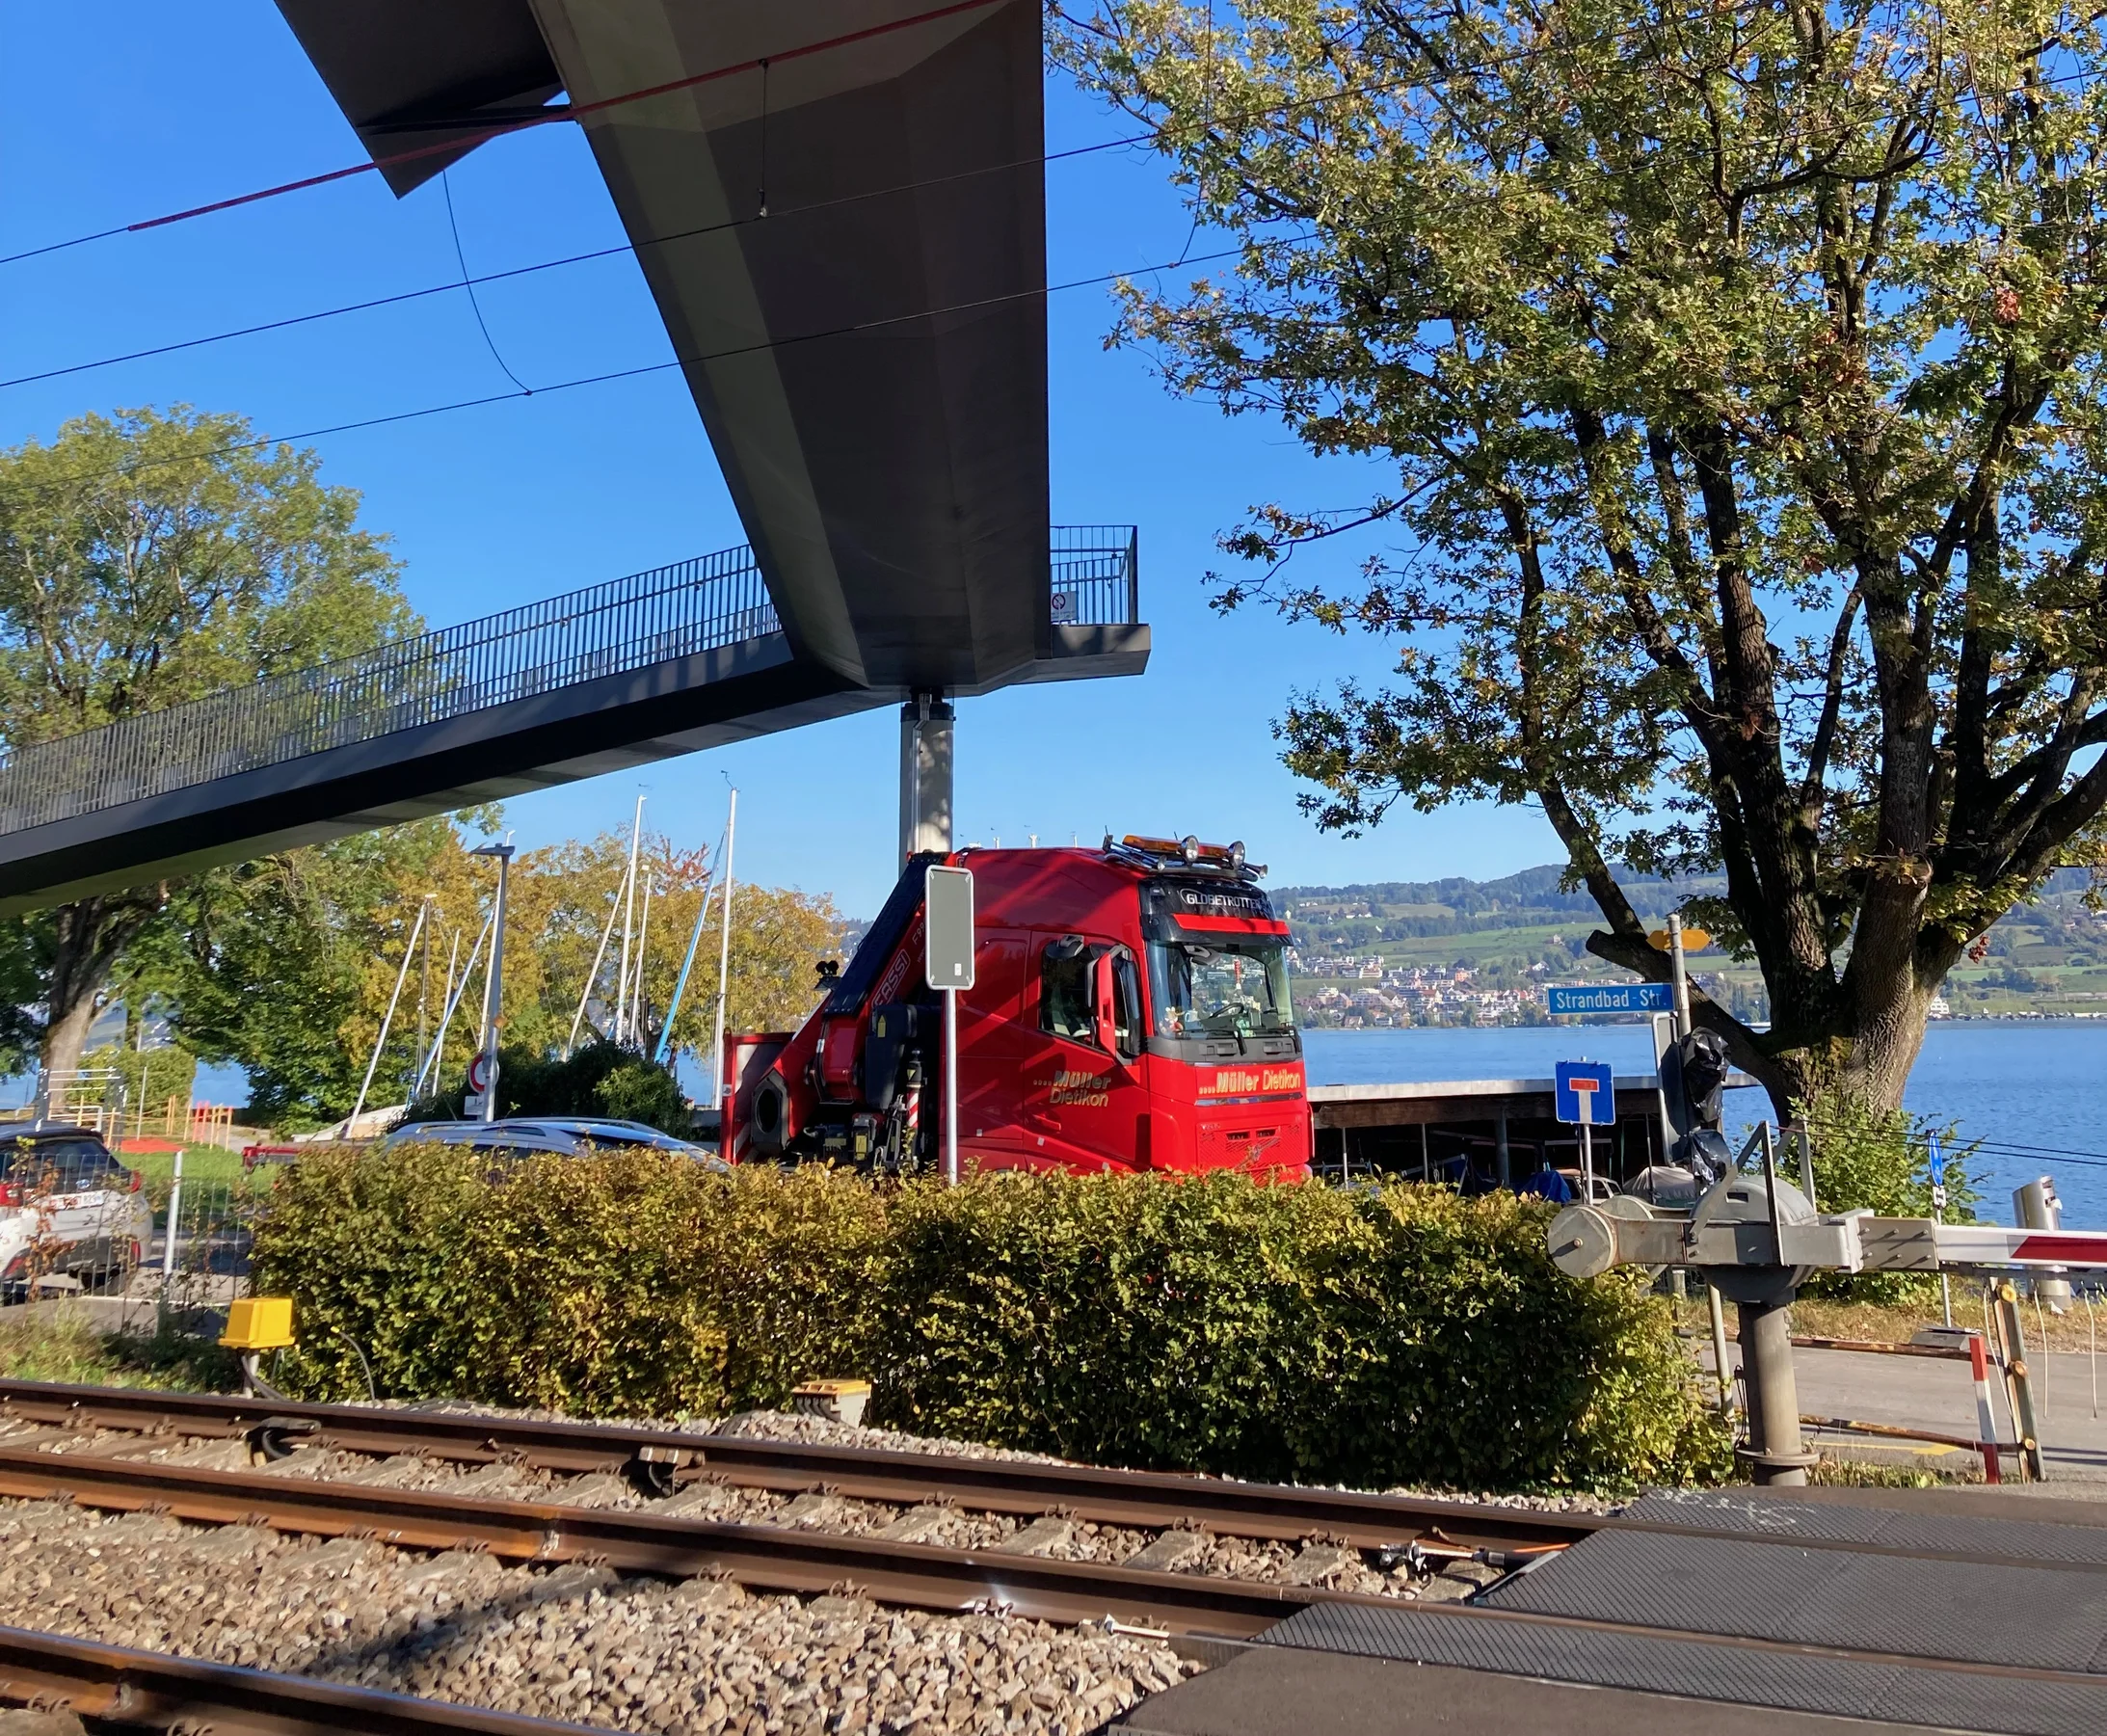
(844, 1400)
(262, 1322)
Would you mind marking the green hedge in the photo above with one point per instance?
(1305, 1333)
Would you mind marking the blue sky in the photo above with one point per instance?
(114, 111)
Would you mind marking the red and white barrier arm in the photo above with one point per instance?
(1994, 1244)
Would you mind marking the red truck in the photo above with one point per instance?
(1130, 1012)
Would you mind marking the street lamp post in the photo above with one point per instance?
(493, 981)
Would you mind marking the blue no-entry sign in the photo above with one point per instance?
(1586, 1093)
(1564, 1000)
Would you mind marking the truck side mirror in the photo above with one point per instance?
(1101, 1001)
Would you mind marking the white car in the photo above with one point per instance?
(68, 1208)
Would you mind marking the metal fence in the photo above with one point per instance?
(204, 1228)
(630, 624)
(1094, 577)
(696, 605)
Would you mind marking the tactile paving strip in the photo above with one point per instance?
(1974, 1612)
(1705, 1669)
(1781, 1519)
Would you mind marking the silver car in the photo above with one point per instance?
(568, 1135)
(68, 1208)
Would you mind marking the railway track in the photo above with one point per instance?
(115, 1685)
(664, 1458)
(104, 1450)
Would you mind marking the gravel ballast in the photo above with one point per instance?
(573, 1643)
(584, 1645)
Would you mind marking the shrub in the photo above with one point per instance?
(1878, 1160)
(1212, 1325)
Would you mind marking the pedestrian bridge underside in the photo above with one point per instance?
(840, 209)
(687, 656)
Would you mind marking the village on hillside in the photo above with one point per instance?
(1457, 951)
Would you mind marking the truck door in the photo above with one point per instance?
(992, 1050)
(1084, 1105)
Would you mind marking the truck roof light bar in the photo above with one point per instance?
(1160, 854)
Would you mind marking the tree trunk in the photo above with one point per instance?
(1821, 1039)
(88, 937)
(66, 1033)
(1864, 1051)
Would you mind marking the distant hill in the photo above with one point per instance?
(1529, 899)
(1458, 950)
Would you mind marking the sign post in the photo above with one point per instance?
(494, 990)
(1584, 1092)
(1934, 1164)
(947, 966)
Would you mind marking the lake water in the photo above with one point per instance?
(2031, 1083)
(2034, 1091)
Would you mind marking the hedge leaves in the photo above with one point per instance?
(1296, 1333)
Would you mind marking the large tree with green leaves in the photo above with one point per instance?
(146, 559)
(1732, 379)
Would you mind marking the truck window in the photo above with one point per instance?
(1064, 990)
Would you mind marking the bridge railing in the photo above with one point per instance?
(612, 629)
(1094, 577)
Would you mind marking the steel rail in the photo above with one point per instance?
(113, 1684)
(779, 1560)
(1147, 1500)
(767, 1557)
(1143, 1498)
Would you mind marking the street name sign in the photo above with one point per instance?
(1586, 1093)
(1567, 1000)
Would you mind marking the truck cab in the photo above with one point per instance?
(1130, 1012)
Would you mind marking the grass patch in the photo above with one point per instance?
(1861, 1474)
(1894, 1323)
(61, 1344)
(213, 1165)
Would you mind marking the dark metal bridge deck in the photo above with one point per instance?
(687, 656)
(839, 210)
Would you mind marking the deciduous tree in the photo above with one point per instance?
(146, 559)
(1732, 376)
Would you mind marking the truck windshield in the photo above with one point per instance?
(1237, 988)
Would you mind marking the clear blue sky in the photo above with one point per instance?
(112, 111)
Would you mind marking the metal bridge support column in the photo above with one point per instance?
(925, 775)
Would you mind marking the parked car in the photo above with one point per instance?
(68, 1208)
(568, 1135)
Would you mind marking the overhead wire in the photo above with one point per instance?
(469, 281)
(589, 256)
(571, 111)
(447, 184)
(624, 247)
(758, 346)
(472, 137)
(2006, 1149)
